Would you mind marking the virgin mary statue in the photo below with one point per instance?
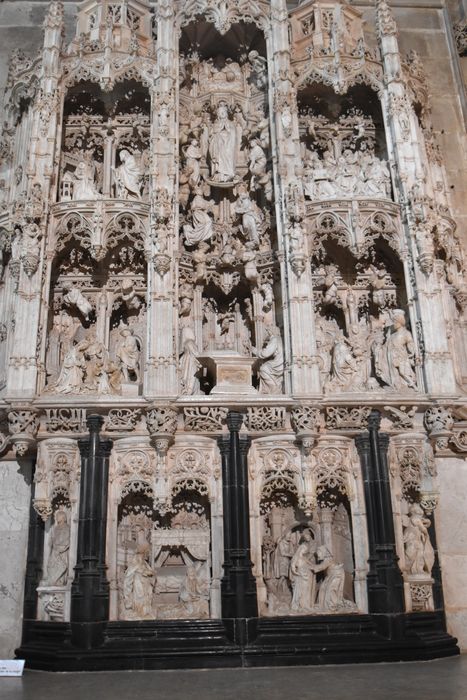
(223, 146)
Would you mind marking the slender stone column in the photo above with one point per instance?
(238, 586)
(384, 579)
(34, 562)
(90, 588)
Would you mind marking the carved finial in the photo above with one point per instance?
(234, 421)
(55, 14)
(385, 23)
(374, 419)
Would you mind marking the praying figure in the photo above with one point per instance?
(271, 371)
(84, 186)
(128, 177)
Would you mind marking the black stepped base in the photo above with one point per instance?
(170, 644)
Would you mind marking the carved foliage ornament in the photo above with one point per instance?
(223, 13)
(305, 419)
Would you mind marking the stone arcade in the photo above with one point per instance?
(232, 341)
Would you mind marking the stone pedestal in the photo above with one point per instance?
(232, 372)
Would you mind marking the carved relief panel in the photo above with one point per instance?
(301, 507)
(165, 531)
(228, 275)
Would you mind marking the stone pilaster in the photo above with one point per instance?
(300, 346)
(161, 375)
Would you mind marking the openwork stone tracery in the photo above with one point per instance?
(219, 205)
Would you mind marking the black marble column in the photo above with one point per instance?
(90, 588)
(34, 561)
(384, 579)
(438, 598)
(238, 585)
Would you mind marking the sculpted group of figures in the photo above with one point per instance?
(340, 160)
(78, 362)
(87, 366)
(225, 193)
(350, 174)
(168, 578)
(419, 552)
(300, 576)
(82, 186)
(139, 595)
(378, 355)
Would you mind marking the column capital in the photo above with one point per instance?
(234, 421)
(95, 422)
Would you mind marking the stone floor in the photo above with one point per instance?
(445, 679)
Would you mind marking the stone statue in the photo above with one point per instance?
(30, 247)
(271, 371)
(189, 364)
(37, 201)
(193, 156)
(96, 357)
(344, 367)
(84, 186)
(394, 359)
(128, 177)
(128, 353)
(194, 594)
(200, 259)
(223, 146)
(185, 294)
(248, 256)
(419, 553)
(138, 586)
(251, 217)
(281, 558)
(201, 228)
(57, 564)
(377, 280)
(331, 589)
(260, 68)
(257, 164)
(70, 379)
(268, 296)
(302, 575)
(74, 297)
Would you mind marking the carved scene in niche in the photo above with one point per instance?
(164, 559)
(363, 335)
(96, 333)
(343, 144)
(307, 558)
(228, 294)
(54, 588)
(95, 340)
(105, 148)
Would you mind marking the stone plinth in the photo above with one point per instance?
(232, 373)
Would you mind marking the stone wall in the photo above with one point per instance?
(451, 527)
(15, 480)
